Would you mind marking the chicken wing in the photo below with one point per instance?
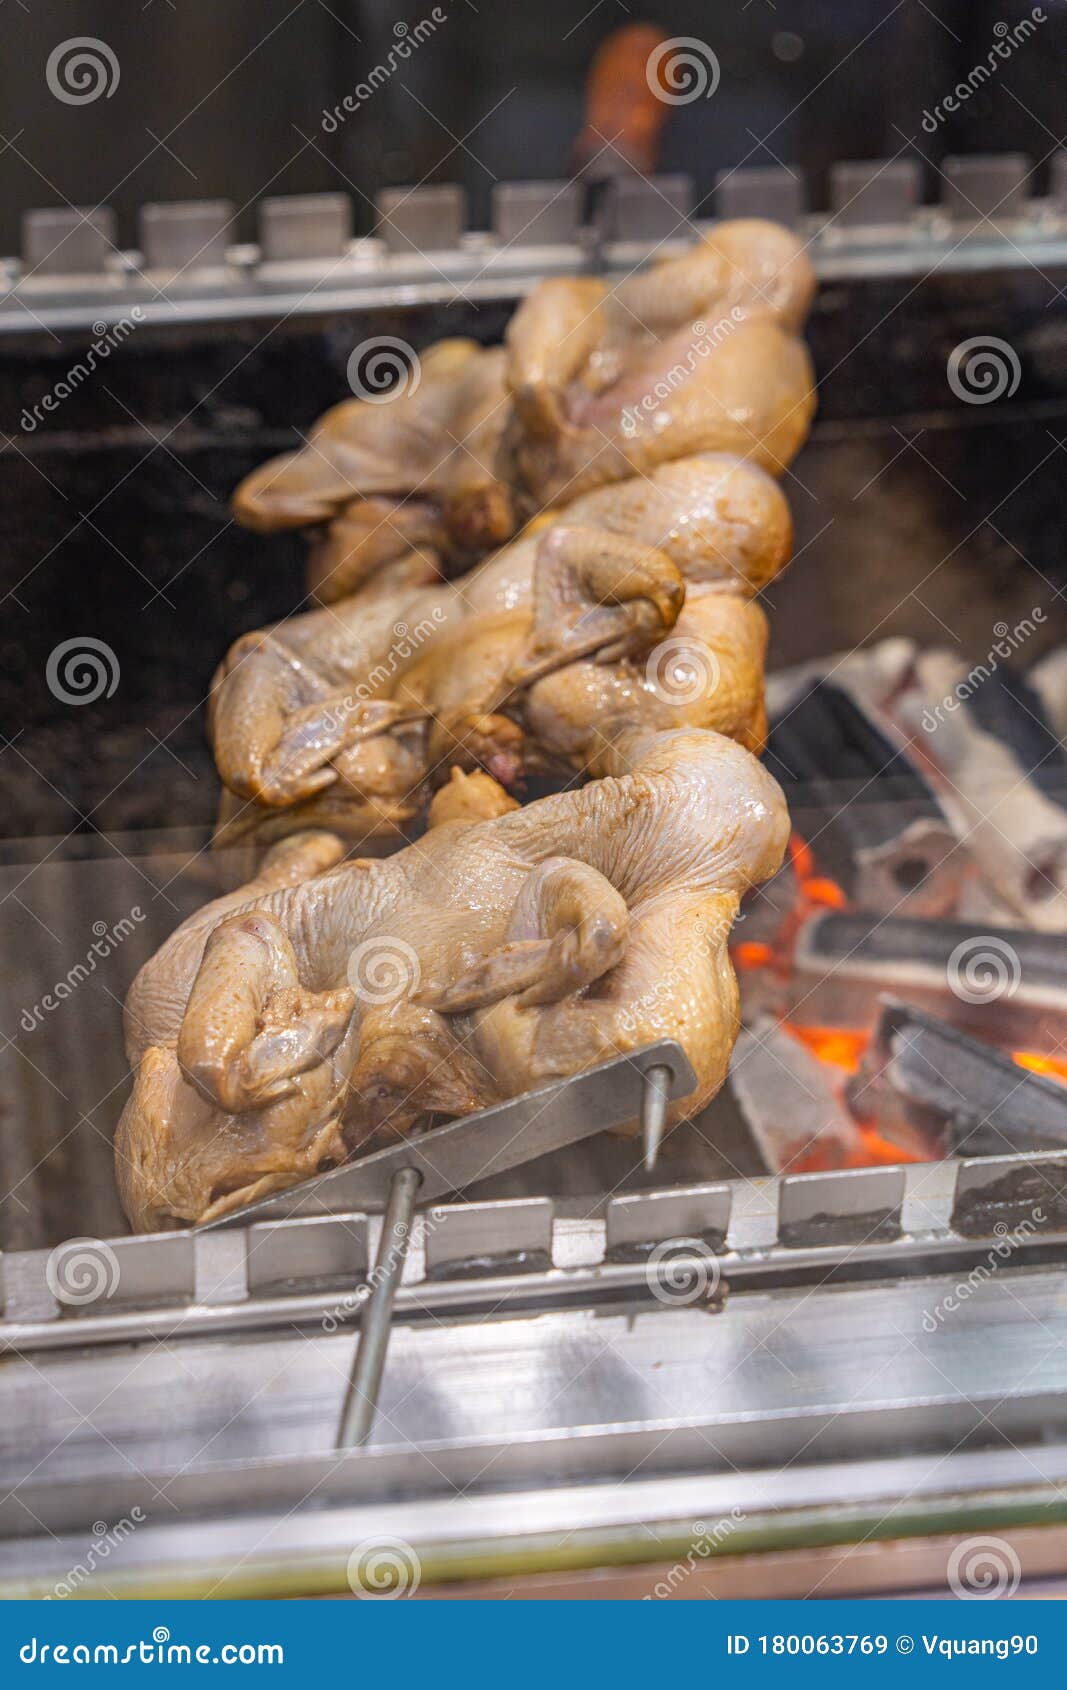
(421, 471)
(285, 1026)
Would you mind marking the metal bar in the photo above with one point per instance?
(459, 1155)
(361, 1402)
(743, 1268)
(654, 1113)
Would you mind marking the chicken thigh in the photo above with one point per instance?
(325, 1004)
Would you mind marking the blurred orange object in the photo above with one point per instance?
(622, 111)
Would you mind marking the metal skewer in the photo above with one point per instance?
(654, 1098)
(361, 1402)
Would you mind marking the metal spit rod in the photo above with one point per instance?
(361, 1401)
(654, 1100)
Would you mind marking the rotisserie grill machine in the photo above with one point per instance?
(588, 1365)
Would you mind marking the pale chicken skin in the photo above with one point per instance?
(421, 470)
(695, 354)
(327, 1003)
(599, 381)
(634, 605)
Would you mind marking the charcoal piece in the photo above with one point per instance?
(1005, 984)
(881, 832)
(1006, 706)
(986, 1103)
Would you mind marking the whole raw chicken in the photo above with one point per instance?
(417, 466)
(599, 381)
(699, 353)
(286, 1025)
(633, 607)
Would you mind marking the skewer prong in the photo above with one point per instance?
(654, 1112)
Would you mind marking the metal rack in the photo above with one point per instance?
(72, 274)
(748, 1387)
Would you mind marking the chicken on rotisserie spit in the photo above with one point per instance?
(599, 381)
(285, 1026)
(635, 606)
(379, 477)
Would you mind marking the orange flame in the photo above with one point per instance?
(1053, 1067)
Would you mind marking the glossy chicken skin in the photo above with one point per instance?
(421, 469)
(599, 381)
(286, 1025)
(699, 353)
(348, 718)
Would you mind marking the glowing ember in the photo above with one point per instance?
(841, 1047)
(753, 954)
(1053, 1067)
